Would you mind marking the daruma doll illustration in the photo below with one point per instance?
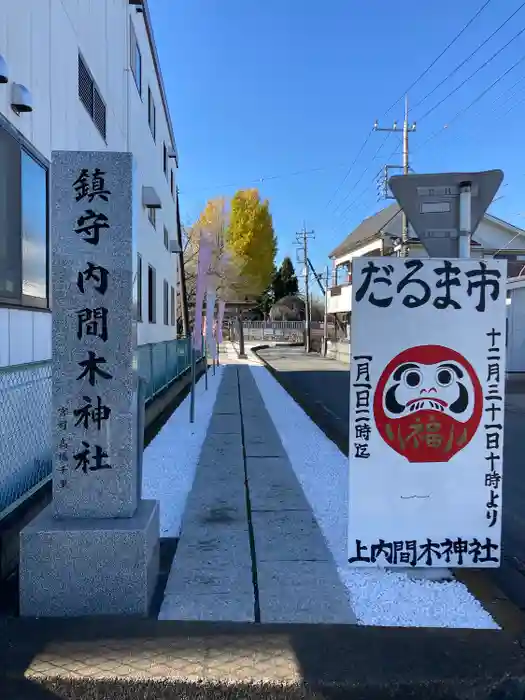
(428, 403)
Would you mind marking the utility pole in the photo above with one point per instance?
(302, 239)
(324, 292)
(182, 277)
(325, 320)
(405, 131)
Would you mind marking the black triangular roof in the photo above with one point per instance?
(367, 229)
(371, 228)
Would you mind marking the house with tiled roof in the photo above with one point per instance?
(380, 235)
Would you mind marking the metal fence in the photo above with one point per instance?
(160, 363)
(274, 331)
(25, 412)
(25, 429)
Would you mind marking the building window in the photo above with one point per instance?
(166, 238)
(172, 184)
(172, 306)
(139, 288)
(91, 98)
(151, 114)
(135, 58)
(152, 296)
(165, 159)
(342, 273)
(166, 307)
(34, 229)
(152, 216)
(23, 226)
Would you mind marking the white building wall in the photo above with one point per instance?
(149, 156)
(516, 329)
(40, 40)
(495, 237)
(340, 303)
(372, 248)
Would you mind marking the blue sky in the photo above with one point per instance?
(269, 88)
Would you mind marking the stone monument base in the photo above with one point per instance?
(99, 566)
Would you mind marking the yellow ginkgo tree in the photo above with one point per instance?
(243, 242)
(251, 240)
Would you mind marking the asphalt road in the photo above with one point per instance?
(321, 387)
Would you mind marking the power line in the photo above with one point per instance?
(432, 64)
(469, 106)
(265, 178)
(507, 244)
(355, 201)
(398, 211)
(378, 151)
(515, 104)
(359, 196)
(460, 65)
(483, 65)
(447, 47)
(497, 105)
(349, 169)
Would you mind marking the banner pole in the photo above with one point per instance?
(205, 365)
(192, 391)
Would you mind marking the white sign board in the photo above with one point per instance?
(427, 384)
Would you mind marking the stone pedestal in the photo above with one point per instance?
(95, 549)
(96, 566)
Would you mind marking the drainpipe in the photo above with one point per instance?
(182, 275)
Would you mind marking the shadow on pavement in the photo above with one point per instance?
(324, 396)
(128, 659)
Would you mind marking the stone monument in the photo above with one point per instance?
(95, 548)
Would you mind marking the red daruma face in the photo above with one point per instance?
(428, 403)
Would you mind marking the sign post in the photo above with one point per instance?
(444, 209)
(94, 550)
(426, 412)
(465, 216)
(411, 410)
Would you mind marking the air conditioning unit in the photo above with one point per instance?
(174, 246)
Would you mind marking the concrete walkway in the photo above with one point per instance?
(250, 547)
